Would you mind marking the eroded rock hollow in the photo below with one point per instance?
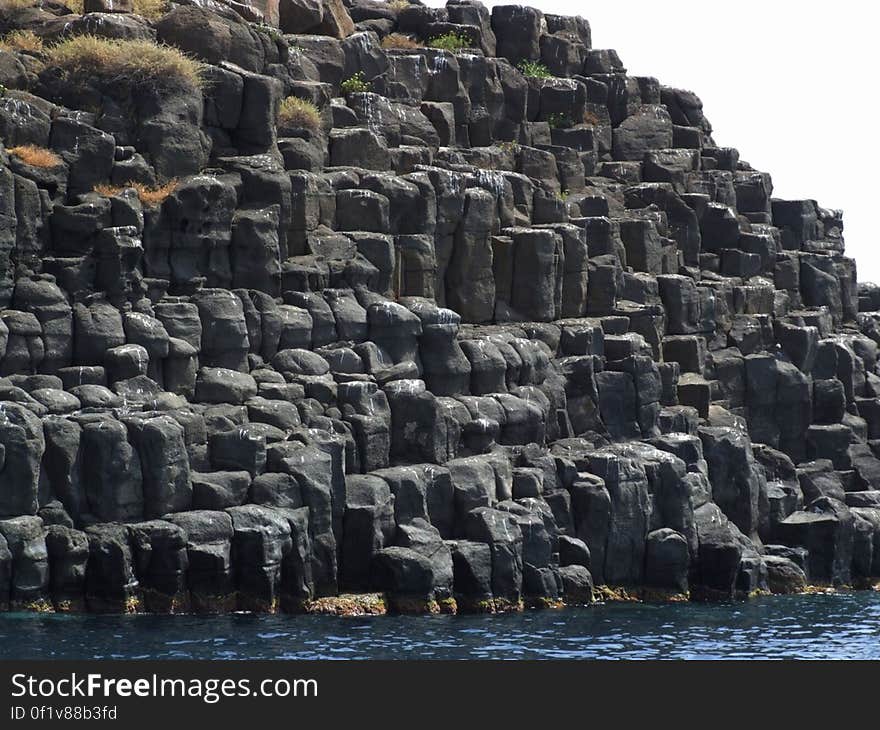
(325, 306)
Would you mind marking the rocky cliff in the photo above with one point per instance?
(303, 298)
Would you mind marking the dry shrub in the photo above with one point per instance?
(149, 196)
(138, 63)
(149, 9)
(21, 40)
(399, 40)
(16, 4)
(296, 112)
(590, 118)
(35, 156)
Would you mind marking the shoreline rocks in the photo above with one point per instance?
(474, 330)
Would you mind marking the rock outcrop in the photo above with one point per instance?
(438, 303)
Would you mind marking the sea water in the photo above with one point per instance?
(841, 626)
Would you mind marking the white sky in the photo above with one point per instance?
(792, 85)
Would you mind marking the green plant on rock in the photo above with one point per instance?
(299, 113)
(559, 121)
(355, 84)
(267, 30)
(534, 69)
(451, 41)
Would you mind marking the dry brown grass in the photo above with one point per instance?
(136, 62)
(398, 4)
(590, 118)
(149, 9)
(16, 4)
(296, 112)
(150, 197)
(21, 40)
(35, 156)
(399, 40)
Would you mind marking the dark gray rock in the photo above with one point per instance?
(720, 552)
(500, 531)
(29, 560)
(517, 31)
(472, 566)
(261, 537)
(240, 449)
(667, 560)
(111, 584)
(784, 575)
(209, 554)
(221, 385)
(164, 464)
(161, 561)
(826, 530)
(368, 527)
(23, 444)
(218, 490)
(577, 584)
(68, 554)
(737, 481)
(111, 469)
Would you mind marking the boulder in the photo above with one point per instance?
(737, 480)
(260, 540)
(368, 527)
(68, 553)
(111, 469)
(239, 449)
(23, 444)
(111, 584)
(500, 531)
(209, 555)
(667, 561)
(517, 31)
(218, 490)
(720, 553)
(647, 130)
(826, 530)
(784, 576)
(161, 561)
(26, 543)
(577, 584)
(161, 446)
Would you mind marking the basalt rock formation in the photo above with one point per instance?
(494, 325)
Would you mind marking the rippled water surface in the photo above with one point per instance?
(840, 626)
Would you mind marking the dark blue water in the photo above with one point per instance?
(845, 626)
